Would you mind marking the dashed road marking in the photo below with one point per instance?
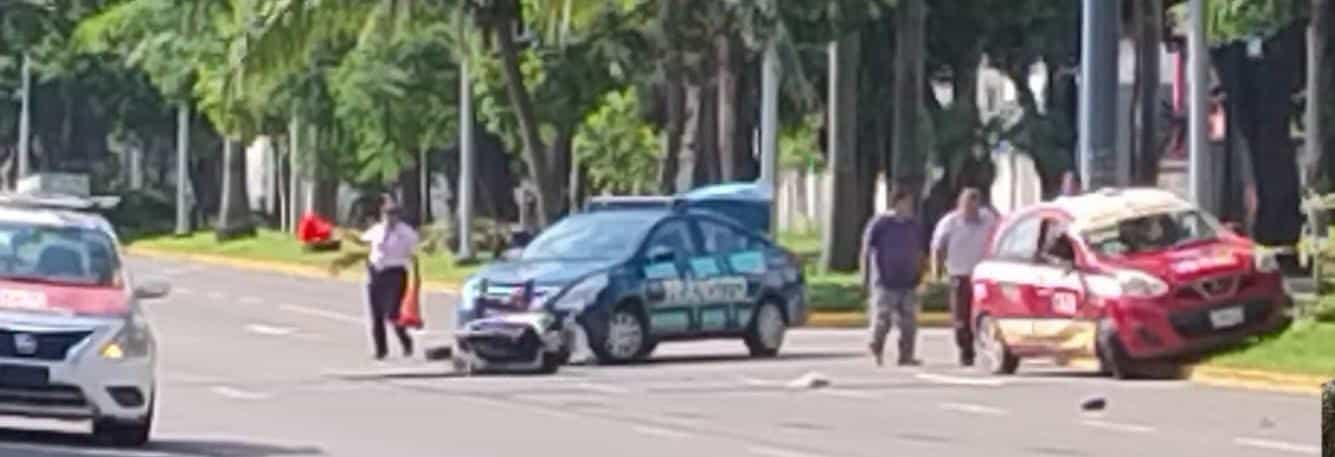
(216, 295)
(970, 408)
(659, 432)
(1280, 446)
(960, 380)
(316, 312)
(845, 393)
(238, 394)
(776, 452)
(251, 300)
(261, 329)
(1118, 427)
(602, 388)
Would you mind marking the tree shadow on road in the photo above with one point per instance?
(64, 444)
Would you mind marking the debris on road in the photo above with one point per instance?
(811, 380)
(1097, 403)
(440, 353)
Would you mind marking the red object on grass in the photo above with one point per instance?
(314, 229)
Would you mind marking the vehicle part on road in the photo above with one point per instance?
(997, 358)
(765, 335)
(1094, 404)
(527, 342)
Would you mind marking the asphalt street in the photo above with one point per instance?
(266, 365)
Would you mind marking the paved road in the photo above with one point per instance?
(258, 365)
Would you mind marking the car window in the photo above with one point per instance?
(1020, 241)
(722, 239)
(588, 237)
(65, 255)
(1151, 233)
(674, 235)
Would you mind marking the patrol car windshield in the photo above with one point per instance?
(1155, 232)
(612, 235)
(59, 255)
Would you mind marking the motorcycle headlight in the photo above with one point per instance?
(1141, 285)
(581, 294)
(468, 294)
(134, 341)
(1265, 261)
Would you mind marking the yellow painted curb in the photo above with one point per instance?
(1258, 380)
(271, 266)
(857, 319)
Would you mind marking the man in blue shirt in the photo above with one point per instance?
(892, 265)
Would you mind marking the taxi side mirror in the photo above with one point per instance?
(151, 290)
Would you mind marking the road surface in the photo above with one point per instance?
(265, 365)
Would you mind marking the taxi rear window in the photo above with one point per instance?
(60, 255)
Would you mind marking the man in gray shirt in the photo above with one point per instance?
(960, 242)
(892, 261)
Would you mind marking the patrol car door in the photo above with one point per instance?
(668, 293)
(730, 272)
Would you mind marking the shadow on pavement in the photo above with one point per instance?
(685, 359)
(62, 444)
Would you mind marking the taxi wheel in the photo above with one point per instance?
(764, 337)
(1113, 359)
(625, 338)
(551, 363)
(995, 357)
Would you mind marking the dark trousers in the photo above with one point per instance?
(961, 310)
(385, 294)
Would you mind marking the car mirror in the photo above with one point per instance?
(660, 254)
(151, 290)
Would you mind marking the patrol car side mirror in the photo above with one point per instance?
(659, 254)
(151, 290)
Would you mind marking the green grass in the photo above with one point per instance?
(1306, 348)
(273, 246)
(834, 291)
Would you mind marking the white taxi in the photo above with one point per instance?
(74, 341)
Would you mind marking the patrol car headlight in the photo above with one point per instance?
(581, 294)
(1141, 285)
(1265, 261)
(133, 342)
(468, 294)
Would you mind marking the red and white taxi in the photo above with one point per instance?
(1125, 275)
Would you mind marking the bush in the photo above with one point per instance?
(143, 213)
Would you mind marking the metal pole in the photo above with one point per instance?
(769, 130)
(1098, 94)
(1198, 82)
(467, 168)
(294, 173)
(25, 113)
(182, 168)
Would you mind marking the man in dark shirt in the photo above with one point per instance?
(892, 264)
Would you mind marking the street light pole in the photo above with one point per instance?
(182, 167)
(25, 114)
(1198, 83)
(1098, 94)
(769, 131)
(467, 169)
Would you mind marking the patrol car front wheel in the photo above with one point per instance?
(765, 336)
(625, 339)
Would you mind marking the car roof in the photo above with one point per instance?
(1105, 207)
(50, 217)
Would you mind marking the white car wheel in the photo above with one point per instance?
(625, 336)
(767, 331)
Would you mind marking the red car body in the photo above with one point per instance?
(1065, 298)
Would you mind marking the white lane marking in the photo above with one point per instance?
(845, 393)
(755, 382)
(1118, 427)
(969, 408)
(261, 329)
(659, 432)
(215, 295)
(238, 394)
(1281, 446)
(776, 452)
(251, 300)
(184, 290)
(321, 313)
(960, 380)
(191, 378)
(602, 388)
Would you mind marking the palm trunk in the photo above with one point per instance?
(1318, 98)
(1149, 18)
(669, 161)
(842, 231)
(538, 167)
(909, 56)
(729, 160)
(234, 214)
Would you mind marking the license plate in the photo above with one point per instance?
(24, 376)
(1227, 317)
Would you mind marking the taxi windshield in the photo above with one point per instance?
(60, 255)
(1150, 233)
(588, 236)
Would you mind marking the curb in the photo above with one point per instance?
(272, 267)
(1257, 380)
(858, 319)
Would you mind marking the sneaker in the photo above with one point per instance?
(966, 360)
(876, 354)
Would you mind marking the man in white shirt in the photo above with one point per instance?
(392, 244)
(960, 242)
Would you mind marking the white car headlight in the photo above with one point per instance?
(1141, 285)
(1265, 261)
(135, 341)
(581, 294)
(468, 294)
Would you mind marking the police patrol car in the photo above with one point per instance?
(74, 342)
(620, 280)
